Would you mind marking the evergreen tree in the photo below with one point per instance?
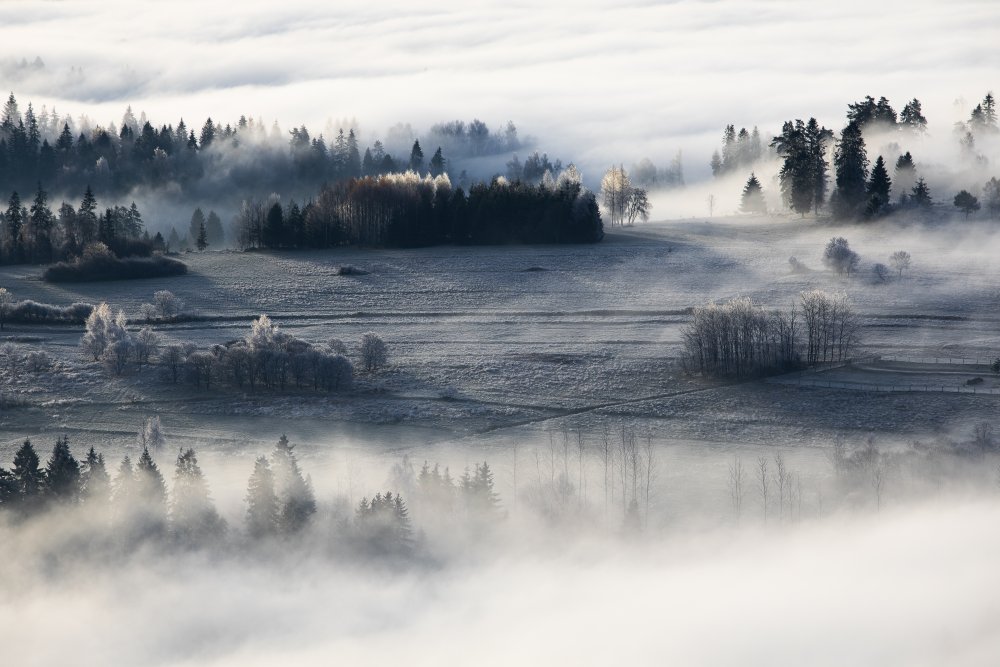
(437, 163)
(29, 478)
(274, 227)
(197, 222)
(816, 138)
(921, 195)
(202, 241)
(851, 164)
(95, 484)
(296, 501)
(262, 503)
(752, 199)
(716, 163)
(353, 162)
(40, 225)
(215, 235)
(416, 158)
(14, 217)
(207, 134)
(912, 117)
(878, 188)
(192, 513)
(124, 490)
(904, 176)
(151, 491)
(989, 112)
(62, 473)
(87, 217)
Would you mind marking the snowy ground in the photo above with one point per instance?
(496, 345)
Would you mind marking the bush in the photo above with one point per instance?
(98, 263)
(839, 257)
(881, 272)
(348, 270)
(28, 311)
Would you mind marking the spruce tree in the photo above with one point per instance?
(912, 117)
(416, 158)
(752, 199)
(151, 492)
(215, 235)
(921, 195)
(62, 474)
(95, 484)
(15, 223)
(262, 503)
(878, 188)
(437, 163)
(851, 164)
(274, 227)
(296, 501)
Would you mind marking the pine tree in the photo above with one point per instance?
(353, 162)
(878, 188)
(62, 474)
(124, 490)
(904, 176)
(207, 134)
(262, 503)
(40, 225)
(192, 513)
(752, 199)
(87, 217)
(274, 227)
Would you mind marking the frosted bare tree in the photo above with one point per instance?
(737, 487)
(374, 352)
(763, 483)
(900, 261)
(781, 481)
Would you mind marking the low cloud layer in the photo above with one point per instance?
(597, 83)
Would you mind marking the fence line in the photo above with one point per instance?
(954, 361)
(888, 387)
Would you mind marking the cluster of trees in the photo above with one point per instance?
(779, 489)
(408, 210)
(739, 150)
(64, 154)
(803, 176)
(134, 505)
(36, 234)
(624, 202)
(266, 358)
(740, 338)
(647, 175)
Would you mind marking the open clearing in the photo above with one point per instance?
(490, 344)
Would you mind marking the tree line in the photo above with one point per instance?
(409, 210)
(133, 505)
(64, 154)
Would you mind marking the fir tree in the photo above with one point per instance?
(437, 163)
(202, 241)
(921, 195)
(912, 117)
(878, 188)
(197, 222)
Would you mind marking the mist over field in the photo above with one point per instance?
(503, 333)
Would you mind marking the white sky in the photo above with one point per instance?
(596, 82)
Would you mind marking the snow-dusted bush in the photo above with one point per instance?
(39, 361)
(337, 346)
(10, 357)
(32, 311)
(374, 352)
(880, 272)
(168, 305)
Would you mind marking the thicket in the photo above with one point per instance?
(98, 263)
(741, 338)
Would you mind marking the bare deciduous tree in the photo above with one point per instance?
(737, 487)
(763, 483)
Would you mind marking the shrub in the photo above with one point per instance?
(39, 361)
(839, 257)
(881, 272)
(28, 311)
(374, 352)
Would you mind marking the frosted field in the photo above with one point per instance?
(492, 346)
